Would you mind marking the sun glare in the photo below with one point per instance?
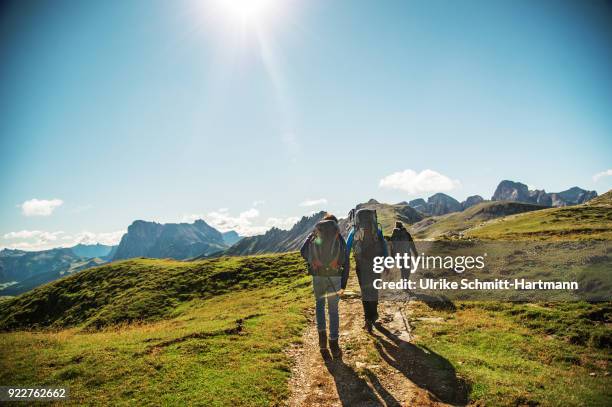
(249, 11)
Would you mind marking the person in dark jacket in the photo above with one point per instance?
(325, 251)
(367, 241)
(402, 242)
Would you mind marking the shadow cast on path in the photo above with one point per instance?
(354, 390)
(423, 367)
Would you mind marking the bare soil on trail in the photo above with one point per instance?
(379, 369)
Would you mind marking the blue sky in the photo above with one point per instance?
(169, 111)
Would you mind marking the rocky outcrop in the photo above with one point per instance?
(572, 196)
(171, 240)
(471, 201)
(420, 205)
(437, 204)
(519, 192)
(441, 204)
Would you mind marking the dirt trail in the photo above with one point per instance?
(379, 369)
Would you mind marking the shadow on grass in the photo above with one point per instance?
(423, 367)
(356, 391)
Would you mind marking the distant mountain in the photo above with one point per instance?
(437, 204)
(231, 237)
(519, 192)
(171, 240)
(275, 240)
(21, 270)
(92, 250)
(572, 196)
(471, 201)
(420, 205)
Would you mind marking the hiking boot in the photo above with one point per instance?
(322, 340)
(335, 348)
(368, 326)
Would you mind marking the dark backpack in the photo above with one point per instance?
(328, 250)
(366, 240)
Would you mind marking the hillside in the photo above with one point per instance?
(171, 240)
(592, 220)
(275, 240)
(139, 289)
(228, 331)
(458, 222)
(604, 200)
(210, 333)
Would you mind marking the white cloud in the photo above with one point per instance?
(107, 238)
(40, 207)
(599, 175)
(419, 182)
(282, 223)
(247, 223)
(42, 240)
(314, 202)
(243, 223)
(33, 234)
(249, 214)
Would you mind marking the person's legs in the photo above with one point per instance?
(334, 320)
(319, 289)
(371, 310)
(332, 307)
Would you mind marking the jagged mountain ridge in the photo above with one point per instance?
(519, 192)
(275, 240)
(441, 204)
(178, 241)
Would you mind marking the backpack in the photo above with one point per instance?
(366, 240)
(328, 251)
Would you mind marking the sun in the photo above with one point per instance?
(249, 12)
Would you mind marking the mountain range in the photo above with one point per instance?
(21, 271)
(439, 216)
(516, 191)
(178, 241)
(275, 240)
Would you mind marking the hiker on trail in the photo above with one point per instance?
(327, 257)
(401, 242)
(367, 241)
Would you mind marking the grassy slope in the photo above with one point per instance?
(457, 222)
(204, 335)
(590, 221)
(518, 354)
(531, 353)
(141, 289)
